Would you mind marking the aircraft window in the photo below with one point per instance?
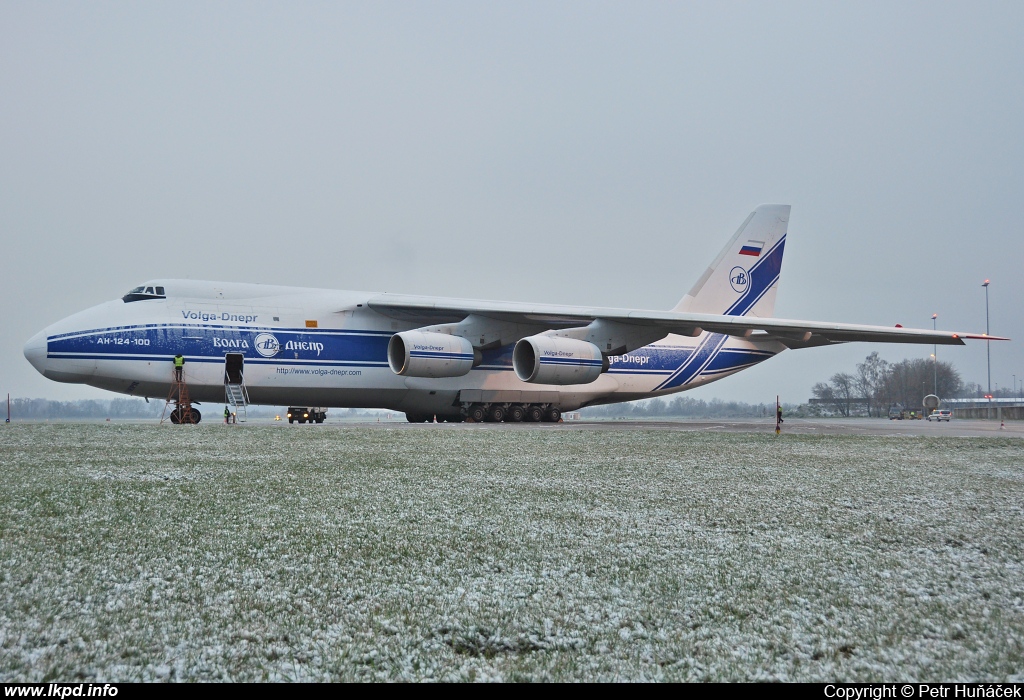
(142, 293)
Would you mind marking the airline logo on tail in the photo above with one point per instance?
(739, 279)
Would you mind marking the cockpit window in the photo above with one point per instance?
(142, 293)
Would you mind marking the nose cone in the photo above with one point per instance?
(35, 351)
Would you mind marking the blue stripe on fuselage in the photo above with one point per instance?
(696, 362)
(164, 341)
(366, 348)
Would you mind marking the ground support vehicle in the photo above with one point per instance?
(897, 412)
(307, 414)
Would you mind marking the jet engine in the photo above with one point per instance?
(431, 355)
(543, 359)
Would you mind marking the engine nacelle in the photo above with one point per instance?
(431, 355)
(542, 359)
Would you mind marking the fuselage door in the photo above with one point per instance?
(233, 367)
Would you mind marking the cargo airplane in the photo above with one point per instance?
(449, 359)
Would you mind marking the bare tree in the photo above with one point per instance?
(883, 384)
(871, 383)
(909, 381)
(825, 394)
(838, 393)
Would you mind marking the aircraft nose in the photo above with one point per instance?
(35, 351)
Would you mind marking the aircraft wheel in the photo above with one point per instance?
(553, 415)
(535, 414)
(516, 413)
(497, 413)
(195, 416)
(416, 418)
(319, 420)
(176, 416)
(477, 413)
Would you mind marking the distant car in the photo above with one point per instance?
(940, 414)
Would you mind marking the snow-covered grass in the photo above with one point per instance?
(133, 552)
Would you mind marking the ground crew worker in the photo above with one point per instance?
(179, 366)
(227, 415)
(778, 415)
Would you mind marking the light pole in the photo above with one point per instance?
(988, 343)
(935, 361)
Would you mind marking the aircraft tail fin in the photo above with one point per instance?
(743, 279)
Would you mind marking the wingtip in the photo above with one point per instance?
(981, 336)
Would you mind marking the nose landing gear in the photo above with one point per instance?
(182, 415)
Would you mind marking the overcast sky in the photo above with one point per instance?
(580, 153)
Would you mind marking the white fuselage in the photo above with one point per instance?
(328, 348)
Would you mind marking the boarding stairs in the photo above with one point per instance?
(235, 393)
(237, 397)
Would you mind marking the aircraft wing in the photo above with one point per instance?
(793, 333)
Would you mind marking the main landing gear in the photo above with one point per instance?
(512, 413)
(495, 413)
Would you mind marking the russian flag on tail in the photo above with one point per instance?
(752, 248)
